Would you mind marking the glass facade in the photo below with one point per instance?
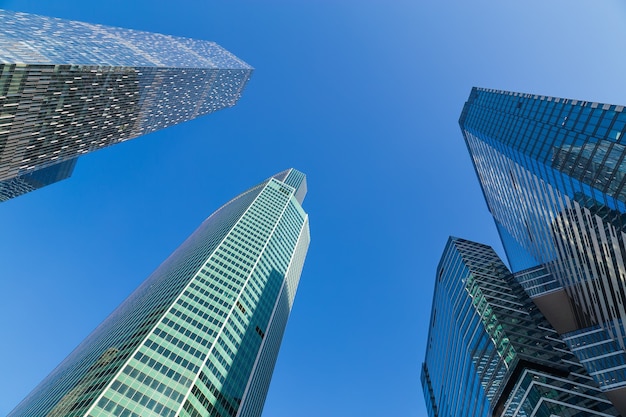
(201, 335)
(36, 179)
(68, 88)
(553, 174)
(491, 352)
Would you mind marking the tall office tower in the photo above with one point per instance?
(68, 88)
(491, 352)
(201, 335)
(553, 174)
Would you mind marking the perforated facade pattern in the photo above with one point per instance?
(201, 335)
(68, 88)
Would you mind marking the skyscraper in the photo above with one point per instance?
(201, 335)
(68, 88)
(553, 174)
(491, 352)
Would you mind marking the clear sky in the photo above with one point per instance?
(361, 95)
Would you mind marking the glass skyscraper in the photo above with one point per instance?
(68, 88)
(201, 335)
(553, 174)
(491, 352)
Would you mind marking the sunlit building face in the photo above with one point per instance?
(201, 335)
(68, 88)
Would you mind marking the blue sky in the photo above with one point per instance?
(362, 96)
